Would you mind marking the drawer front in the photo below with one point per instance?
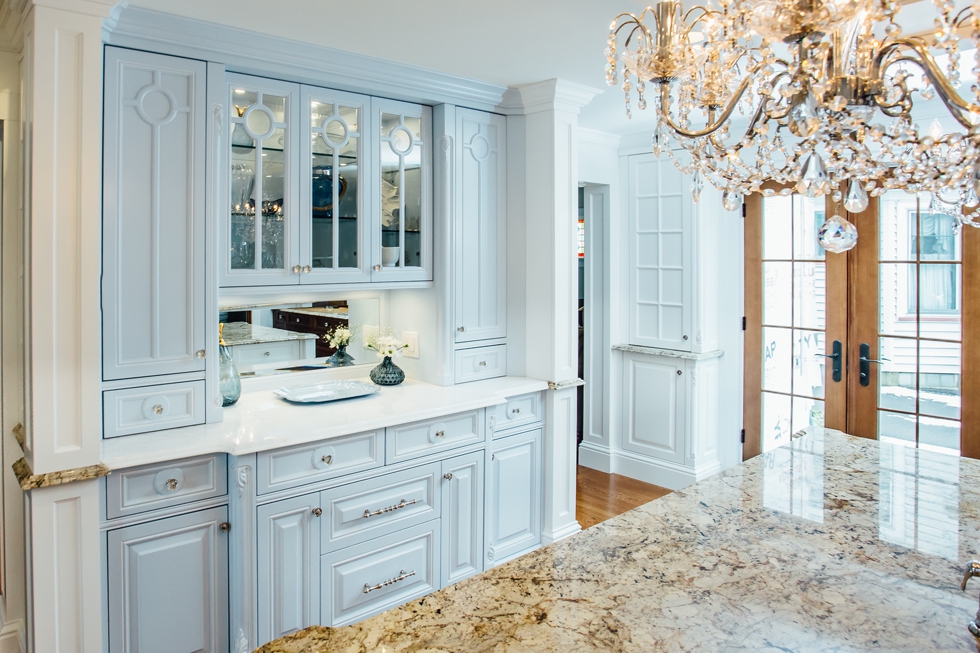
(422, 438)
(286, 468)
(522, 410)
(481, 363)
(161, 485)
(378, 506)
(267, 352)
(361, 581)
(154, 408)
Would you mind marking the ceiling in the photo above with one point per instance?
(505, 42)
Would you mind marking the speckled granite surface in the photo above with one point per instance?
(242, 333)
(830, 543)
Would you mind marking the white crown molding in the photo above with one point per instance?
(554, 94)
(13, 14)
(296, 61)
(600, 138)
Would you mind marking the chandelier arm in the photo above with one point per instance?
(711, 127)
(927, 63)
(638, 24)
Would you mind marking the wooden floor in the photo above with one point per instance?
(600, 496)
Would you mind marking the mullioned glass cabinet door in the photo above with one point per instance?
(402, 192)
(260, 239)
(334, 222)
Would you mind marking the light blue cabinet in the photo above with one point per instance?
(168, 585)
(153, 239)
(514, 504)
(462, 517)
(289, 565)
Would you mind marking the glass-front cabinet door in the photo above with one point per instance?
(260, 242)
(402, 240)
(334, 245)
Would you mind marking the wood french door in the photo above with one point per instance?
(881, 342)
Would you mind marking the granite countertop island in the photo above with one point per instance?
(830, 543)
(243, 333)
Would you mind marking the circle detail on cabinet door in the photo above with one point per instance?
(328, 129)
(155, 407)
(437, 433)
(259, 122)
(168, 481)
(323, 458)
(401, 140)
(150, 103)
(479, 147)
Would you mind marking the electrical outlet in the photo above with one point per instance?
(411, 338)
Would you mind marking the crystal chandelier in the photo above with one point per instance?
(816, 95)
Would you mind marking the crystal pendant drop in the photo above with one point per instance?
(971, 199)
(814, 181)
(697, 184)
(857, 198)
(731, 200)
(659, 139)
(803, 119)
(975, 177)
(837, 235)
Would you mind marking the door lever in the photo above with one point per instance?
(837, 357)
(866, 363)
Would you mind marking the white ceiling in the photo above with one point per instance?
(505, 42)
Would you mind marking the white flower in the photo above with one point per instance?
(386, 344)
(339, 337)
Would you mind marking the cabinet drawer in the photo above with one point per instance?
(358, 582)
(246, 356)
(154, 408)
(422, 438)
(481, 363)
(160, 485)
(362, 511)
(518, 411)
(286, 468)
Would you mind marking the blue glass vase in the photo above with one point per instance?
(387, 373)
(229, 382)
(340, 358)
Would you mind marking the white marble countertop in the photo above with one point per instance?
(320, 311)
(261, 421)
(829, 544)
(243, 333)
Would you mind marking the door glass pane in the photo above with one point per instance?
(808, 215)
(273, 195)
(939, 300)
(939, 434)
(806, 413)
(335, 150)
(898, 288)
(777, 309)
(897, 374)
(777, 228)
(896, 231)
(777, 356)
(401, 190)
(939, 378)
(777, 425)
(810, 295)
(808, 363)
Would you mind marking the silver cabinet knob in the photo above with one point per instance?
(483, 363)
(448, 476)
(224, 526)
(158, 410)
(685, 337)
(461, 329)
(516, 411)
(377, 268)
(201, 353)
(266, 354)
(679, 372)
(317, 512)
(307, 269)
(171, 484)
(328, 459)
(440, 434)
(297, 269)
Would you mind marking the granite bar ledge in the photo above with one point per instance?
(830, 543)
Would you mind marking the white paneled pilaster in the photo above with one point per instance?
(550, 191)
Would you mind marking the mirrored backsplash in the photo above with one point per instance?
(291, 338)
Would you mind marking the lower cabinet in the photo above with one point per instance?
(462, 517)
(168, 585)
(288, 552)
(514, 504)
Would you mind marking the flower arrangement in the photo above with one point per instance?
(340, 336)
(386, 344)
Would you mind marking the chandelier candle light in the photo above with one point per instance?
(822, 93)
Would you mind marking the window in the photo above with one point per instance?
(937, 285)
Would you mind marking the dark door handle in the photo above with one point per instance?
(837, 357)
(866, 363)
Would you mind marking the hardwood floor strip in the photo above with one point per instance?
(600, 496)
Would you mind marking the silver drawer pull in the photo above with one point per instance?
(391, 581)
(381, 511)
(171, 484)
(461, 329)
(158, 409)
(440, 434)
(328, 459)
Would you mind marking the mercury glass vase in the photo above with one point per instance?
(340, 357)
(229, 382)
(387, 373)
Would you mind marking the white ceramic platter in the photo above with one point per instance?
(327, 391)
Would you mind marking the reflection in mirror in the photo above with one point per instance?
(401, 190)
(297, 337)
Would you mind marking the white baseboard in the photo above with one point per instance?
(13, 637)
(549, 537)
(644, 468)
(595, 456)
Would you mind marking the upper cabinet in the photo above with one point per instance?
(325, 187)
(479, 230)
(153, 275)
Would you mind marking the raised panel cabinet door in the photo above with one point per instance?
(168, 585)
(289, 566)
(480, 226)
(660, 255)
(153, 266)
(462, 517)
(654, 400)
(515, 495)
